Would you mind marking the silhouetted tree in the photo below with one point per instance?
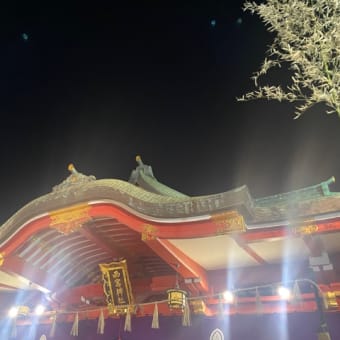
(308, 40)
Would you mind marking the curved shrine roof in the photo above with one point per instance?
(56, 241)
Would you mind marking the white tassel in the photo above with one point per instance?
(323, 333)
(101, 323)
(54, 326)
(155, 320)
(235, 302)
(258, 302)
(297, 297)
(14, 328)
(74, 330)
(324, 336)
(186, 321)
(127, 326)
(220, 307)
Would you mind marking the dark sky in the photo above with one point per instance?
(95, 84)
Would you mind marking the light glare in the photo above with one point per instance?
(228, 296)
(13, 312)
(39, 310)
(284, 293)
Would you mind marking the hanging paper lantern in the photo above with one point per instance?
(176, 298)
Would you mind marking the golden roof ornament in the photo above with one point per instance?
(74, 179)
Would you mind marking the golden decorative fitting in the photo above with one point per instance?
(229, 222)
(69, 220)
(330, 299)
(306, 229)
(71, 168)
(149, 232)
(114, 310)
(198, 306)
(2, 258)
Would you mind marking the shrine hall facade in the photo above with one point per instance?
(115, 259)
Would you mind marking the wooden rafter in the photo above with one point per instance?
(185, 266)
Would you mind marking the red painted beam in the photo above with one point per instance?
(180, 262)
(47, 281)
(199, 228)
(256, 275)
(23, 233)
(241, 243)
(162, 283)
(164, 230)
(219, 280)
(270, 305)
(289, 231)
(73, 296)
(174, 230)
(144, 286)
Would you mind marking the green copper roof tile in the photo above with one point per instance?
(308, 193)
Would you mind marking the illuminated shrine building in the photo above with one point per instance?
(114, 259)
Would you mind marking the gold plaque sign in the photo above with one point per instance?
(117, 287)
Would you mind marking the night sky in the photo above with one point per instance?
(98, 84)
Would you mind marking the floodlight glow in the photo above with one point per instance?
(13, 312)
(39, 310)
(284, 293)
(228, 296)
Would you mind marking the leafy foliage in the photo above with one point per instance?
(308, 40)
